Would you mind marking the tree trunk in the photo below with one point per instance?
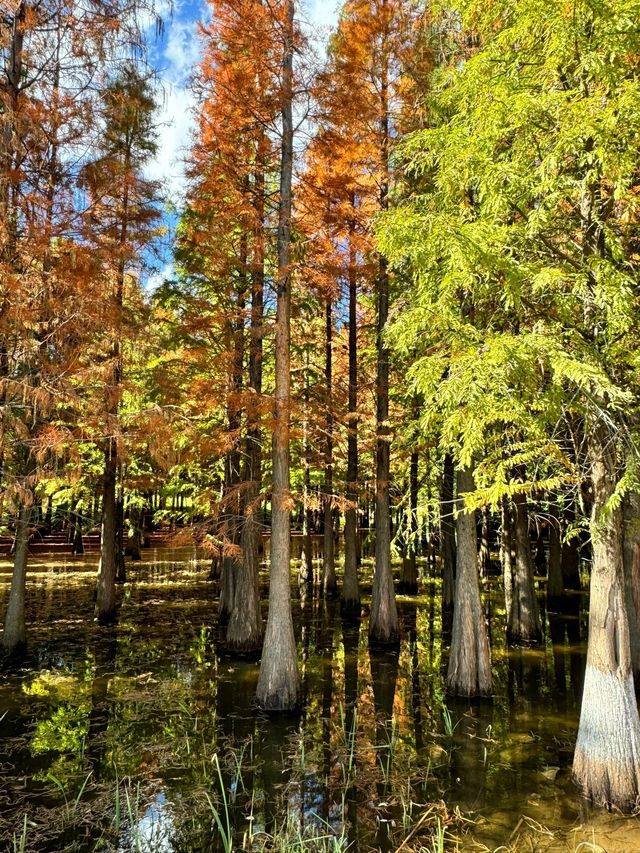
(448, 532)
(14, 635)
(555, 582)
(329, 583)
(279, 680)
(570, 558)
(524, 624)
(631, 562)
(350, 599)
(78, 542)
(121, 574)
(232, 498)
(469, 672)
(106, 590)
(383, 622)
(606, 763)
(506, 556)
(484, 556)
(305, 576)
(245, 629)
(136, 520)
(409, 578)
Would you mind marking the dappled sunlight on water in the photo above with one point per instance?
(122, 738)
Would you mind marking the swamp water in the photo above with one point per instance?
(123, 739)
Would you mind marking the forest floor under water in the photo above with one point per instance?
(141, 738)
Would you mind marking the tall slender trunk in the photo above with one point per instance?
(121, 574)
(631, 563)
(555, 581)
(409, 578)
(524, 625)
(350, 598)
(108, 567)
(329, 583)
(279, 680)
(305, 577)
(78, 542)
(244, 632)
(606, 762)
(14, 635)
(448, 532)
(232, 498)
(10, 131)
(109, 547)
(506, 556)
(469, 672)
(484, 555)
(383, 622)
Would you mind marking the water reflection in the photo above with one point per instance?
(128, 723)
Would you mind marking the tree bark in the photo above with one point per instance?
(121, 574)
(232, 496)
(469, 672)
(279, 681)
(524, 625)
(409, 577)
(448, 532)
(108, 567)
(350, 598)
(631, 564)
(245, 628)
(484, 556)
(606, 763)
(14, 635)
(329, 583)
(383, 622)
(78, 542)
(305, 577)
(555, 581)
(506, 556)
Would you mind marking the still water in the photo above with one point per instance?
(142, 738)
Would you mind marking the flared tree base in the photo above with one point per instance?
(107, 617)
(526, 638)
(249, 650)
(606, 764)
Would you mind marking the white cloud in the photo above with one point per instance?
(182, 51)
(175, 58)
(156, 279)
(323, 13)
(174, 134)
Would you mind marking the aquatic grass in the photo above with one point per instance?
(291, 838)
(224, 828)
(449, 727)
(20, 842)
(348, 766)
(70, 806)
(133, 811)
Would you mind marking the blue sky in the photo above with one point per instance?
(174, 56)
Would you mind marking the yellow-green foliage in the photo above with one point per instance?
(515, 226)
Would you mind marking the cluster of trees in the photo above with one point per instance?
(76, 116)
(412, 268)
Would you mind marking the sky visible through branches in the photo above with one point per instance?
(174, 54)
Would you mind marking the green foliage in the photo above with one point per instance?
(515, 223)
